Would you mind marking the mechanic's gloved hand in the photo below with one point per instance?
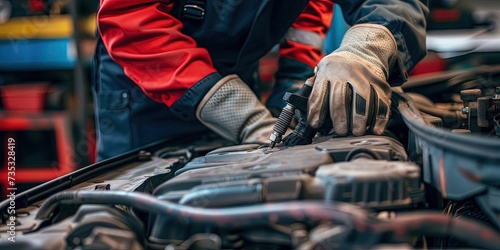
(275, 102)
(233, 111)
(350, 92)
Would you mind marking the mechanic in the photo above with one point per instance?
(169, 69)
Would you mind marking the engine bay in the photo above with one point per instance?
(431, 181)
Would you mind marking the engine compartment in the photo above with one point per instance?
(368, 171)
(431, 181)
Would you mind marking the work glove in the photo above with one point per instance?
(350, 92)
(233, 111)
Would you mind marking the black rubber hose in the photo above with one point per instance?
(53, 201)
(262, 214)
(410, 224)
(442, 113)
(440, 225)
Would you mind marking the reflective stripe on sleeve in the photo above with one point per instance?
(305, 37)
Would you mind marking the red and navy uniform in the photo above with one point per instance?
(148, 50)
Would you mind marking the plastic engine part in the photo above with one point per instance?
(375, 184)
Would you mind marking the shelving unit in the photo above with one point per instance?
(40, 52)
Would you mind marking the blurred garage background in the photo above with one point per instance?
(45, 54)
(46, 48)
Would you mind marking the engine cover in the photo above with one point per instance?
(370, 171)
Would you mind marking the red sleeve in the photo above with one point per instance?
(316, 18)
(147, 42)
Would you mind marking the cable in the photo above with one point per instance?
(409, 225)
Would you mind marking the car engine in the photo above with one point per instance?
(432, 180)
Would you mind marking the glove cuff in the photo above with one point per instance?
(372, 43)
(233, 111)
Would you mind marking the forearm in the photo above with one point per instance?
(302, 46)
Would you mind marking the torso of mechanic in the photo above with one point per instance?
(155, 60)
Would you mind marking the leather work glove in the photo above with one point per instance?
(350, 92)
(233, 111)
